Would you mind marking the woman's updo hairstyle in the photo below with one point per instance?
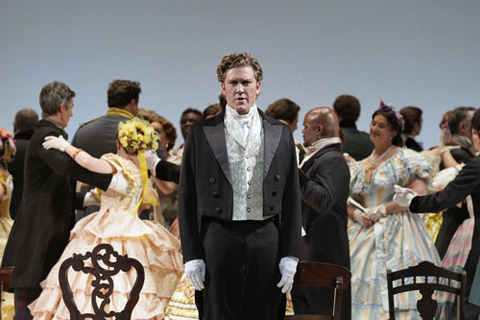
(395, 119)
(137, 135)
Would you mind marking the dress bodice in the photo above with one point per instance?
(125, 202)
(375, 185)
(7, 182)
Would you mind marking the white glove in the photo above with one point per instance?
(119, 184)
(403, 196)
(152, 160)
(375, 213)
(91, 199)
(444, 177)
(361, 218)
(448, 148)
(288, 268)
(195, 272)
(52, 142)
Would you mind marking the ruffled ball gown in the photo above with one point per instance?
(118, 224)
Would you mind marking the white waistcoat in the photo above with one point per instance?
(245, 157)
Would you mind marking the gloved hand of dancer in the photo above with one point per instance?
(195, 272)
(119, 184)
(152, 160)
(361, 218)
(91, 199)
(52, 142)
(403, 196)
(375, 213)
(288, 268)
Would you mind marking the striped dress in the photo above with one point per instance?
(395, 242)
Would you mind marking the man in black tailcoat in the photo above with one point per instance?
(42, 227)
(239, 203)
(324, 186)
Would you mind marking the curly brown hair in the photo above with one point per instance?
(236, 60)
(169, 129)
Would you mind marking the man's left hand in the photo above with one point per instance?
(288, 268)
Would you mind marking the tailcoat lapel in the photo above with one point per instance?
(272, 136)
(216, 138)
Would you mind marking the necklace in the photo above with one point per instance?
(380, 158)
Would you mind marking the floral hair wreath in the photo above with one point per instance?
(137, 135)
(7, 146)
(387, 107)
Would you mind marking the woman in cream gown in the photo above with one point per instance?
(118, 224)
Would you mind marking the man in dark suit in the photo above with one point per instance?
(459, 123)
(324, 186)
(42, 227)
(356, 143)
(25, 123)
(239, 203)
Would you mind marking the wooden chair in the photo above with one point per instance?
(5, 280)
(324, 275)
(426, 277)
(103, 282)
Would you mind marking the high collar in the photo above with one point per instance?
(232, 112)
(56, 124)
(24, 134)
(348, 124)
(120, 112)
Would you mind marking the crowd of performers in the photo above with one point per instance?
(220, 223)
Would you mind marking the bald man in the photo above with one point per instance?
(324, 183)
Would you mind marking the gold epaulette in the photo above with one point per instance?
(90, 121)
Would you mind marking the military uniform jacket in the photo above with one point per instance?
(42, 226)
(206, 185)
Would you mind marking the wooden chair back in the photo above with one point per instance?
(324, 275)
(105, 263)
(427, 278)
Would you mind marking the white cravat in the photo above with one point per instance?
(244, 121)
(317, 146)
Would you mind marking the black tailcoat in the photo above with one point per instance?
(454, 216)
(42, 226)
(206, 185)
(325, 186)
(466, 183)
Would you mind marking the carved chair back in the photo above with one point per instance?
(427, 277)
(105, 264)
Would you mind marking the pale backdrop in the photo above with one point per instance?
(422, 53)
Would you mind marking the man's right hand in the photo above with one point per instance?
(195, 272)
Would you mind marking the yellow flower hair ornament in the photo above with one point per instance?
(137, 135)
